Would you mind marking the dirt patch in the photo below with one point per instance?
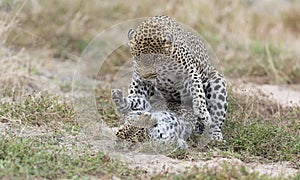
(287, 96)
(155, 164)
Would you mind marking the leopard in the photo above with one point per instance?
(173, 126)
(171, 60)
(132, 133)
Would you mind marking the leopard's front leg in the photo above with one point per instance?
(199, 101)
(140, 87)
(124, 105)
(139, 92)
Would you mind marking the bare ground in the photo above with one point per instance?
(284, 95)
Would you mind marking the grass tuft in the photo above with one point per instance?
(23, 157)
(262, 129)
(39, 109)
(106, 108)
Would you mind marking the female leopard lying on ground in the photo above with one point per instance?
(173, 126)
(174, 62)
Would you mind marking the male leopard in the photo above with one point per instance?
(161, 125)
(174, 62)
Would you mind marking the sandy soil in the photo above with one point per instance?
(284, 95)
(163, 164)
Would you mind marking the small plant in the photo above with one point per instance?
(106, 108)
(271, 133)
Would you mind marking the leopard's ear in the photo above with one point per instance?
(130, 34)
(168, 41)
(171, 38)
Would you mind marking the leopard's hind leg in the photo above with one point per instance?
(216, 98)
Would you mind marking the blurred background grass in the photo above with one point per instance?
(255, 40)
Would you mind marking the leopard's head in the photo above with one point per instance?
(132, 134)
(151, 44)
(137, 127)
(153, 36)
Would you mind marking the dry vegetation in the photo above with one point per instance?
(264, 50)
(40, 42)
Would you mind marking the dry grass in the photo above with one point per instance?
(13, 63)
(38, 109)
(256, 40)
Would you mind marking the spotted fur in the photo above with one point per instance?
(172, 126)
(172, 61)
